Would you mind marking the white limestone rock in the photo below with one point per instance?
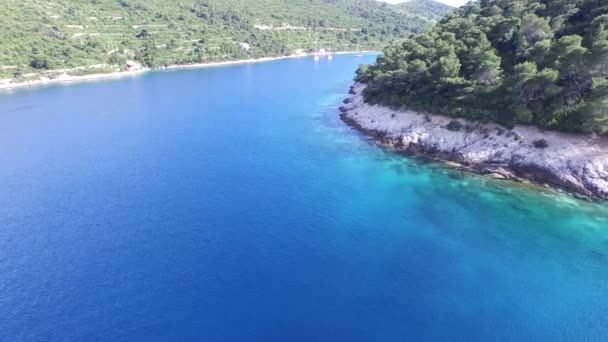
(575, 162)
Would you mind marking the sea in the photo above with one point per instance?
(232, 204)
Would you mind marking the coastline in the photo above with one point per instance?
(71, 79)
(575, 163)
(64, 78)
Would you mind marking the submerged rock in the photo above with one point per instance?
(575, 162)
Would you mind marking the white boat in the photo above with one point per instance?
(329, 55)
(316, 54)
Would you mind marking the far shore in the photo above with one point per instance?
(94, 77)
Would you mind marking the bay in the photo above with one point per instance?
(232, 204)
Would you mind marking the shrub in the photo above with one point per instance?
(39, 63)
(454, 126)
(540, 143)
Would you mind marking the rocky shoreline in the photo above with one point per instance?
(577, 163)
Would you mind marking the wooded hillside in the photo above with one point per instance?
(528, 61)
(38, 35)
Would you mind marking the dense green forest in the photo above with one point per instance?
(37, 35)
(534, 62)
(427, 9)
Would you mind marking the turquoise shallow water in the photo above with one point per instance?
(231, 204)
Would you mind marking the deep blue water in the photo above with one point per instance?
(231, 204)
